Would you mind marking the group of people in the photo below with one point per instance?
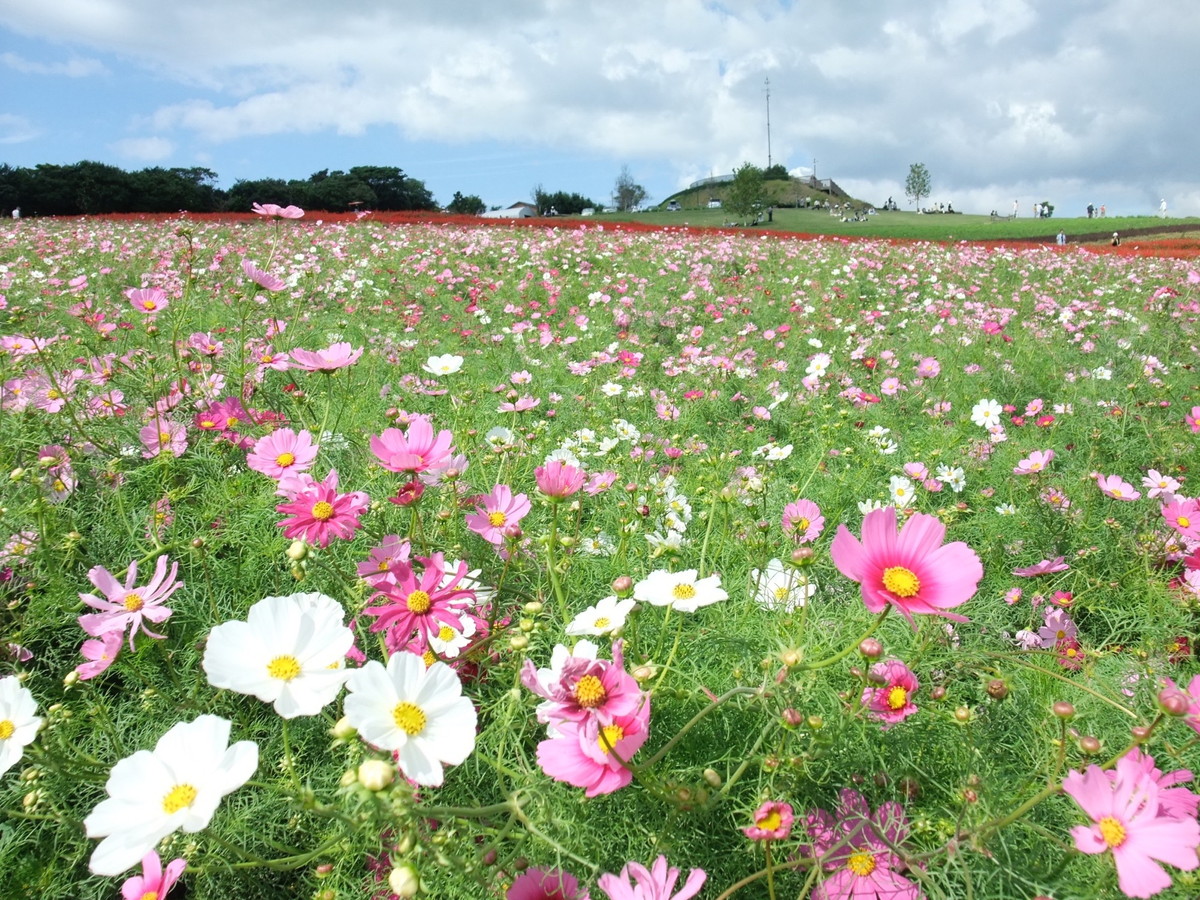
(1096, 212)
(938, 207)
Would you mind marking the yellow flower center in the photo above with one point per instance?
(133, 602)
(322, 511)
(418, 602)
(6, 729)
(590, 692)
(602, 622)
(409, 718)
(149, 895)
(901, 581)
(1112, 831)
(861, 864)
(230, 421)
(683, 591)
(285, 668)
(446, 633)
(164, 437)
(60, 486)
(897, 697)
(179, 797)
(285, 459)
(609, 735)
(497, 519)
(771, 821)
(149, 305)
(429, 658)
(781, 593)
(53, 394)
(802, 524)
(1184, 522)
(1116, 492)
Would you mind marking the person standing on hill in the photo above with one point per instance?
(1162, 208)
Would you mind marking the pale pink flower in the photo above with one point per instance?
(1159, 485)
(150, 301)
(913, 570)
(334, 357)
(277, 212)
(497, 511)
(1034, 463)
(264, 280)
(127, 606)
(657, 883)
(162, 436)
(558, 480)
(802, 521)
(1193, 419)
(1045, 567)
(1183, 515)
(283, 452)
(860, 851)
(1117, 488)
(100, 653)
(1127, 822)
(929, 367)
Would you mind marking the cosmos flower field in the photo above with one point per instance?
(349, 560)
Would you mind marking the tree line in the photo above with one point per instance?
(90, 188)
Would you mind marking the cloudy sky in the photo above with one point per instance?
(1074, 102)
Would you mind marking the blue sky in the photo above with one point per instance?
(1076, 102)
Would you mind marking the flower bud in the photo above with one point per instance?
(997, 688)
(815, 723)
(404, 881)
(1173, 702)
(512, 531)
(297, 551)
(376, 774)
(938, 693)
(622, 586)
(962, 714)
(712, 777)
(71, 679)
(518, 642)
(803, 556)
(1140, 734)
(791, 658)
(871, 648)
(1063, 710)
(643, 673)
(533, 607)
(792, 718)
(1089, 745)
(343, 730)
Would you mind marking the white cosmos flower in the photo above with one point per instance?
(290, 652)
(901, 490)
(781, 588)
(605, 617)
(178, 785)
(986, 413)
(446, 364)
(419, 713)
(18, 724)
(682, 590)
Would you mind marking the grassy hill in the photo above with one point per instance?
(781, 192)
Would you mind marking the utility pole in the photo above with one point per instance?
(767, 89)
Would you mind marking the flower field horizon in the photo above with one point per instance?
(354, 559)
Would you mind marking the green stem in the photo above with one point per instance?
(839, 656)
(551, 565)
(695, 720)
(712, 514)
(770, 871)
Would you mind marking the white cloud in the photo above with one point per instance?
(147, 149)
(75, 67)
(16, 129)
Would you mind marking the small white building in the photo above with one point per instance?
(516, 211)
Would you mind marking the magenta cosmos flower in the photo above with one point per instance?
(803, 521)
(411, 607)
(283, 452)
(912, 571)
(334, 357)
(545, 884)
(1127, 822)
(319, 513)
(1183, 514)
(154, 882)
(558, 480)
(595, 759)
(128, 606)
(857, 849)
(889, 699)
(656, 883)
(587, 691)
(414, 451)
(772, 822)
(496, 511)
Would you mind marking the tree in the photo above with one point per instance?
(627, 194)
(917, 185)
(777, 172)
(469, 205)
(747, 194)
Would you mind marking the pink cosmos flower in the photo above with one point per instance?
(558, 480)
(128, 606)
(1193, 419)
(1159, 485)
(1045, 567)
(600, 482)
(772, 822)
(1183, 514)
(594, 758)
(334, 357)
(319, 513)
(153, 883)
(1034, 463)
(1127, 821)
(889, 697)
(392, 551)
(545, 884)
(100, 653)
(150, 301)
(163, 436)
(1117, 488)
(415, 451)
(912, 571)
(657, 883)
(1177, 802)
(414, 606)
(803, 521)
(587, 691)
(1058, 628)
(264, 280)
(857, 847)
(278, 212)
(929, 367)
(282, 452)
(496, 511)
(1192, 717)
